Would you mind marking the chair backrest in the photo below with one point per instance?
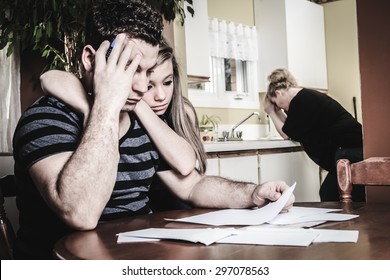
(7, 233)
(374, 171)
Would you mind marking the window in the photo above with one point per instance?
(233, 68)
(9, 98)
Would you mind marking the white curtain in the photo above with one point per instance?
(9, 97)
(232, 40)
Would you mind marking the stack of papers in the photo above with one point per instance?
(265, 226)
(257, 236)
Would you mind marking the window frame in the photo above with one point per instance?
(214, 94)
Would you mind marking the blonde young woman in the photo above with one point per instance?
(324, 128)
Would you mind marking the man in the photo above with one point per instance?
(70, 177)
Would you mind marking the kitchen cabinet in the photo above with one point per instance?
(259, 166)
(212, 167)
(240, 168)
(197, 42)
(292, 167)
(291, 35)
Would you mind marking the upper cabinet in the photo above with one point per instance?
(197, 42)
(291, 35)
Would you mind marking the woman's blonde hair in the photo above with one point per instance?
(177, 116)
(280, 79)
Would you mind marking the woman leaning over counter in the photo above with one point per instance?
(325, 129)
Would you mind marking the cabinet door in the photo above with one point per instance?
(308, 177)
(306, 43)
(291, 34)
(196, 38)
(212, 167)
(240, 168)
(292, 167)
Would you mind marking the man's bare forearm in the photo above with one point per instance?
(86, 181)
(218, 192)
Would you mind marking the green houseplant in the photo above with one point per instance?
(55, 28)
(208, 127)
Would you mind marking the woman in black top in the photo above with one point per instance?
(324, 128)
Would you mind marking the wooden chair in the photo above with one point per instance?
(7, 233)
(374, 171)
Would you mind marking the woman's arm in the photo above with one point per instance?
(176, 150)
(277, 116)
(67, 87)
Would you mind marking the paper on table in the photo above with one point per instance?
(130, 239)
(249, 235)
(290, 236)
(308, 214)
(295, 225)
(273, 236)
(332, 235)
(206, 236)
(297, 212)
(336, 217)
(241, 216)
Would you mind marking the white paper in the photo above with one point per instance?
(291, 236)
(295, 225)
(129, 239)
(297, 212)
(332, 235)
(241, 216)
(297, 215)
(272, 236)
(206, 236)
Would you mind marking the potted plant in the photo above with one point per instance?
(208, 127)
(56, 28)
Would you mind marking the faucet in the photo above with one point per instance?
(241, 122)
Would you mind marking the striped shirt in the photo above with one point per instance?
(49, 127)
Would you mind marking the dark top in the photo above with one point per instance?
(321, 125)
(49, 127)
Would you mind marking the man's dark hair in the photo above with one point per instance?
(133, 17)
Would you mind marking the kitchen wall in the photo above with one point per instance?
(343, 54)
(232, 10)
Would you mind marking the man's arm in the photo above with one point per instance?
(78, 185)
(218, 192)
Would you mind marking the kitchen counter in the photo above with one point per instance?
(250, 145)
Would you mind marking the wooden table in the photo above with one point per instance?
(373, 225)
